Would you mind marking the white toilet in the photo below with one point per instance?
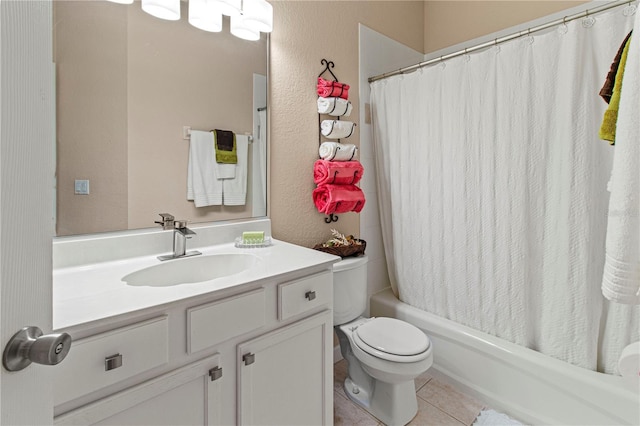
(384, 354)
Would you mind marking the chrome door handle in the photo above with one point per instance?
(29, 345)
(249, 358)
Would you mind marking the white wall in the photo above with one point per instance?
(378, 54)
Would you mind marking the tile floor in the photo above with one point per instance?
(438, 404)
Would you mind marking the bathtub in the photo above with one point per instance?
(529, 386)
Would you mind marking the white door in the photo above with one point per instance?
(27, 102)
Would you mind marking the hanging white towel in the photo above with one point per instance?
(334, 106)
(203, 186)
(621, 277)
(336, 129)
(235, 190)
(334, 151)
(226, 171)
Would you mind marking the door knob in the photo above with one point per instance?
(29, 345)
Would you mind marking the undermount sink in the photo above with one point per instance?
(191, 270)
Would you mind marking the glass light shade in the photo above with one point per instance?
(239, 29)
(258, 15)
(204, 14)
(122, 1)
(228, 7)
(163, 9)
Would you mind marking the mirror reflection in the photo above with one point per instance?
(129, 86)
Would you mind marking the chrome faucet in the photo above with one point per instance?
(180, 236)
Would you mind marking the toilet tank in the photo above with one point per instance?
(349, 289)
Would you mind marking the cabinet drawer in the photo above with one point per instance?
(296, 297)
(216, 322)
(107, 358)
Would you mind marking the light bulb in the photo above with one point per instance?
(239, 29)
(228, 7)
(204, 14)
(258, 15)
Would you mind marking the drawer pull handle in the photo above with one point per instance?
(215, 373)
(249, 358)
(112, 362)
(310, 295)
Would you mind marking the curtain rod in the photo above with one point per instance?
(499, 40)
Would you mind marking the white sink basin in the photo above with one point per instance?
(191, 270)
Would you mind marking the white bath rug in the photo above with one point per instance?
(493, 418)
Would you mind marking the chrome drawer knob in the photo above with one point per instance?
(29, 345)
(310, 295)
(112, 362)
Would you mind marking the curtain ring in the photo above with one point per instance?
(563, 29)
(442, 64)
(588, 20)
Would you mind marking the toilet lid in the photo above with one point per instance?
(392, 336)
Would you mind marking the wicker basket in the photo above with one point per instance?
(344, 251)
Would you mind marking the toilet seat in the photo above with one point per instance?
(392, 340)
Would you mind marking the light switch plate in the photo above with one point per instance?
(81, 187)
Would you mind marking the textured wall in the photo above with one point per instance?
(452, 22)
(305, 32)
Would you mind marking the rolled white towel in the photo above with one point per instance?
(336, 129)
(334, 151)
(334, 106)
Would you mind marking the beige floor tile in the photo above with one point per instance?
(347, 413)
(462, 407)
(422, 380)
(428, 415)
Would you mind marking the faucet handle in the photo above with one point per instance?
(167, 221)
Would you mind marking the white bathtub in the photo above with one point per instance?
(529, 386)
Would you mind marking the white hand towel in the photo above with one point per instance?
(203, 186)
(226, 171)
(336, 129)
(621, 278)
(235, 190)
(334, 106)
(334, 151)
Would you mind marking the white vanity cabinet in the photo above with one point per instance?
(261, 354)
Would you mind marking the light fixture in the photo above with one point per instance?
(229, 7)
(239, 28)
(205, 15)
(163, 9)
(258, 15)
(248, 18)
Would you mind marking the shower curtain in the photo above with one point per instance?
(493, 197)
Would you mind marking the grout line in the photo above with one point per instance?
(444, 412)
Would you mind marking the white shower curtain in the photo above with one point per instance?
(493, 191)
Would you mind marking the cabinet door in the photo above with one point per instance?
(285, 376)
(187, 396)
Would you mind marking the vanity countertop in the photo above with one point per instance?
(93, 292)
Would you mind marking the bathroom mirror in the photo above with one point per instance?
(129, 87)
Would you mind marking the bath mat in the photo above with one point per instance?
(493, 418)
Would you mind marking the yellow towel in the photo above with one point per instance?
(608, 127)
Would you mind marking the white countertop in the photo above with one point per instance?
(92, 292)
